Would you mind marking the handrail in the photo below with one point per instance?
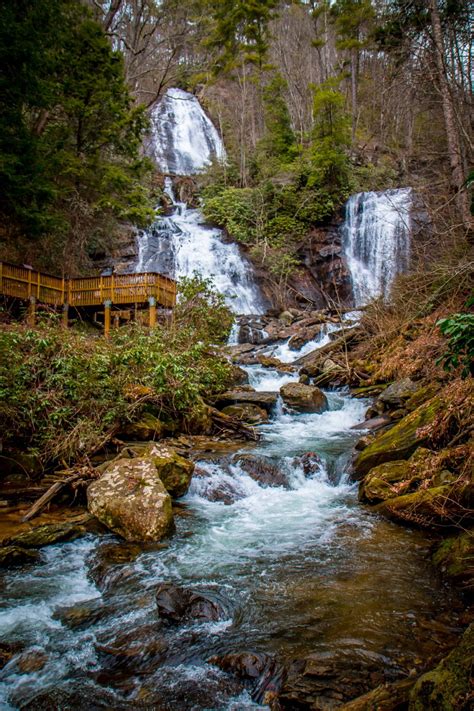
(27, 284)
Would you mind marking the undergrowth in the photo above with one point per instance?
(63, 394)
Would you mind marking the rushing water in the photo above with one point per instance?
(376, 237)
(183, 138)
(303, 568)
(182, 244)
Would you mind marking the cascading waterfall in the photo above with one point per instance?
(184, 141)
(183, 138)
(376, 236)
(181, 245)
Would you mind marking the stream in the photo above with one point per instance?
(303, 570)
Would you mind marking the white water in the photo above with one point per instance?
(376, 238)
(183, 138)
(182, 245)
(286, 354)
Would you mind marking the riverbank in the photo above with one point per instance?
(291, 569)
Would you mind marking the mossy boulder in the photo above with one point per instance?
(448, 686)
(381, 482)
(131, 500)
(304, 398)
(400, 441)
(433, 508)
(396, 394)
(49, 533)
(455, 557)
(147, 428)
(248, 413)
(174, 470)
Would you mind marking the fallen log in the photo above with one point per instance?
(232, 424)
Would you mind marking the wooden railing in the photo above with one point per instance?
(24, 283)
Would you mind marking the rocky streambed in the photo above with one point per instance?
(277, 588)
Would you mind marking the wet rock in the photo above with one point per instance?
(73, 696)
(286, 317)
(322, 681)
(449, 685)
(32, 661)
(262, 470)
(400, 441)
(374, 423)
(272, 362)
(139, 650)
(147, 428)
(11, 556)
(239, 376)
(108, 560)
(177, 604)
(388, 697)
(304, 379)
(265, 400)
(303, 336)
(455, 557)
(83, 614)
(260, 668)
(8, 650)
(309, 463)
(248, 413)
(48, 534)
(398, 393)
(383, 482)
(225, 490)
(305, 398)
(132, 501)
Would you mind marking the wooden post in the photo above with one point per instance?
(107, 307)
(152, 302)
(65, 315)
(31, 317)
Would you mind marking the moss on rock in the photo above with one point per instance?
(400, 441)
(448, 686)
(380, 483)
(455, 557)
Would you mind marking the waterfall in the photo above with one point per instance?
(183, 139)
(183, 142)
(376, 238)
(181, 244)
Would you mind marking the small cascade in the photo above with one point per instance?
(183, 139)
(182, 244)
(376, 237)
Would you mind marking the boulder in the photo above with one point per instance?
(455, 557)
(83, 614)
(11, 556)
(177, 604)
(449, 685)
(131, 500)
(309, 463)
(238, 375)
(262, 470)
(272, 362)
(286, 317)
(439, 507)
(147, 428)
(257, 667)
(50, 533)
(303, 336)
(174, 470)
(400, 441)
(398, 393)
(265, 400)
(305, 398)
(381, 482)
(246, 412)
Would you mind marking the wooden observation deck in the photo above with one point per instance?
(116, 290)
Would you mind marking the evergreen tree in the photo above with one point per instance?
(70, 138)
(278, 143)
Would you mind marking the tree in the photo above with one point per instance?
(278, 142)
(70, 163)
(351, 19)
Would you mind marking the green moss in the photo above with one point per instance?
(447, 687)
(455, 557)
(378, 485)
(400, 441)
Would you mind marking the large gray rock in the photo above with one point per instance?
(398, 393)
(305, 398)
(131, 500)
(262, 399)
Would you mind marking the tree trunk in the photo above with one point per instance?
(354, 72)
(452, 134)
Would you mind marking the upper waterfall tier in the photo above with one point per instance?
(376, 237)
(183, 138)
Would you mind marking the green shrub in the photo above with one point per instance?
(459, 329)
(63, 394)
